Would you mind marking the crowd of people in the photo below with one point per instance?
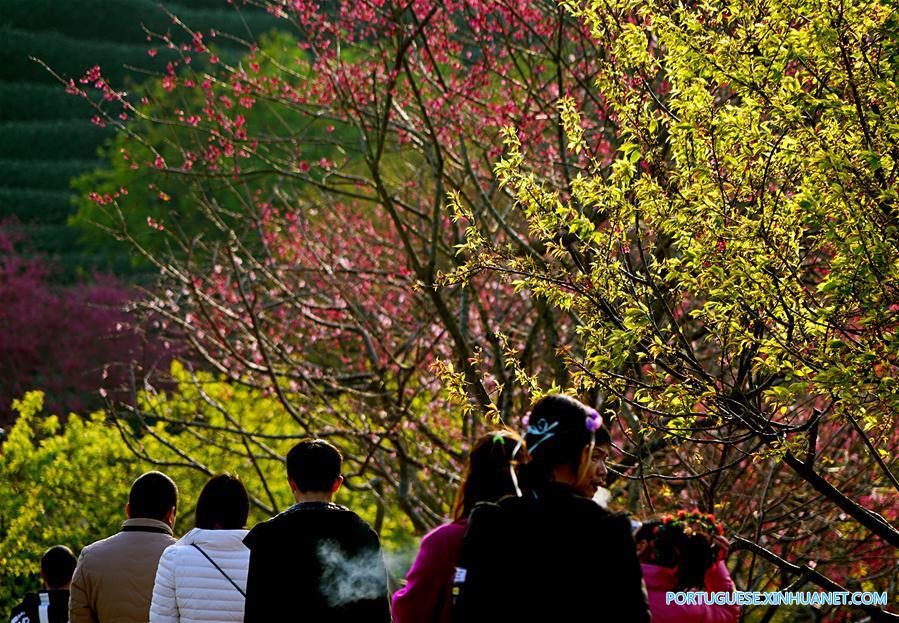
(527, 543)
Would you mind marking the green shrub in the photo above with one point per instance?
(59, 486)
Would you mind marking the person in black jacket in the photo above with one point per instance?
(316, 561)
(552, 553)
(50, 605)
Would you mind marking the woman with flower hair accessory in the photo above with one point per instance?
(550, 552)
(427, 595)
(685, 552)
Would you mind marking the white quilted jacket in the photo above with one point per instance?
(189, 589)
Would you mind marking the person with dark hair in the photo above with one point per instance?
(52, 604)
(685, 552)
(203, 577)
(427, 596)
(316, 561)
(552, 553)
(114, 577)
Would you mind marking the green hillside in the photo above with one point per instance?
(47, 137)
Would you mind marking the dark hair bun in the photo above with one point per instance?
(558, 429)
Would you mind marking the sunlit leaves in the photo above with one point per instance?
(734, 271)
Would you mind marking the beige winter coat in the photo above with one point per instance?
(113, 581)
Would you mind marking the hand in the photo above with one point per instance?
(723, 547)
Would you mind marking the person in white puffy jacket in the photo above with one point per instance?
(203, 577)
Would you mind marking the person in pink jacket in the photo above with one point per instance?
(427, 595)
(682, 553)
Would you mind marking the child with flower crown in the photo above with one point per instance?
(685, 552)
(550, 553)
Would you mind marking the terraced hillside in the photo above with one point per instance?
(46, 134)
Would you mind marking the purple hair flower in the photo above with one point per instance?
(593, 420)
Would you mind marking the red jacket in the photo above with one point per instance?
(660, 580)
(427, 596)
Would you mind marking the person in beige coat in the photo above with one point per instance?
(113, 581)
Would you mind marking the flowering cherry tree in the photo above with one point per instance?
(299, 218)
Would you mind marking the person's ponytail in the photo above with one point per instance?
(488, 475)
